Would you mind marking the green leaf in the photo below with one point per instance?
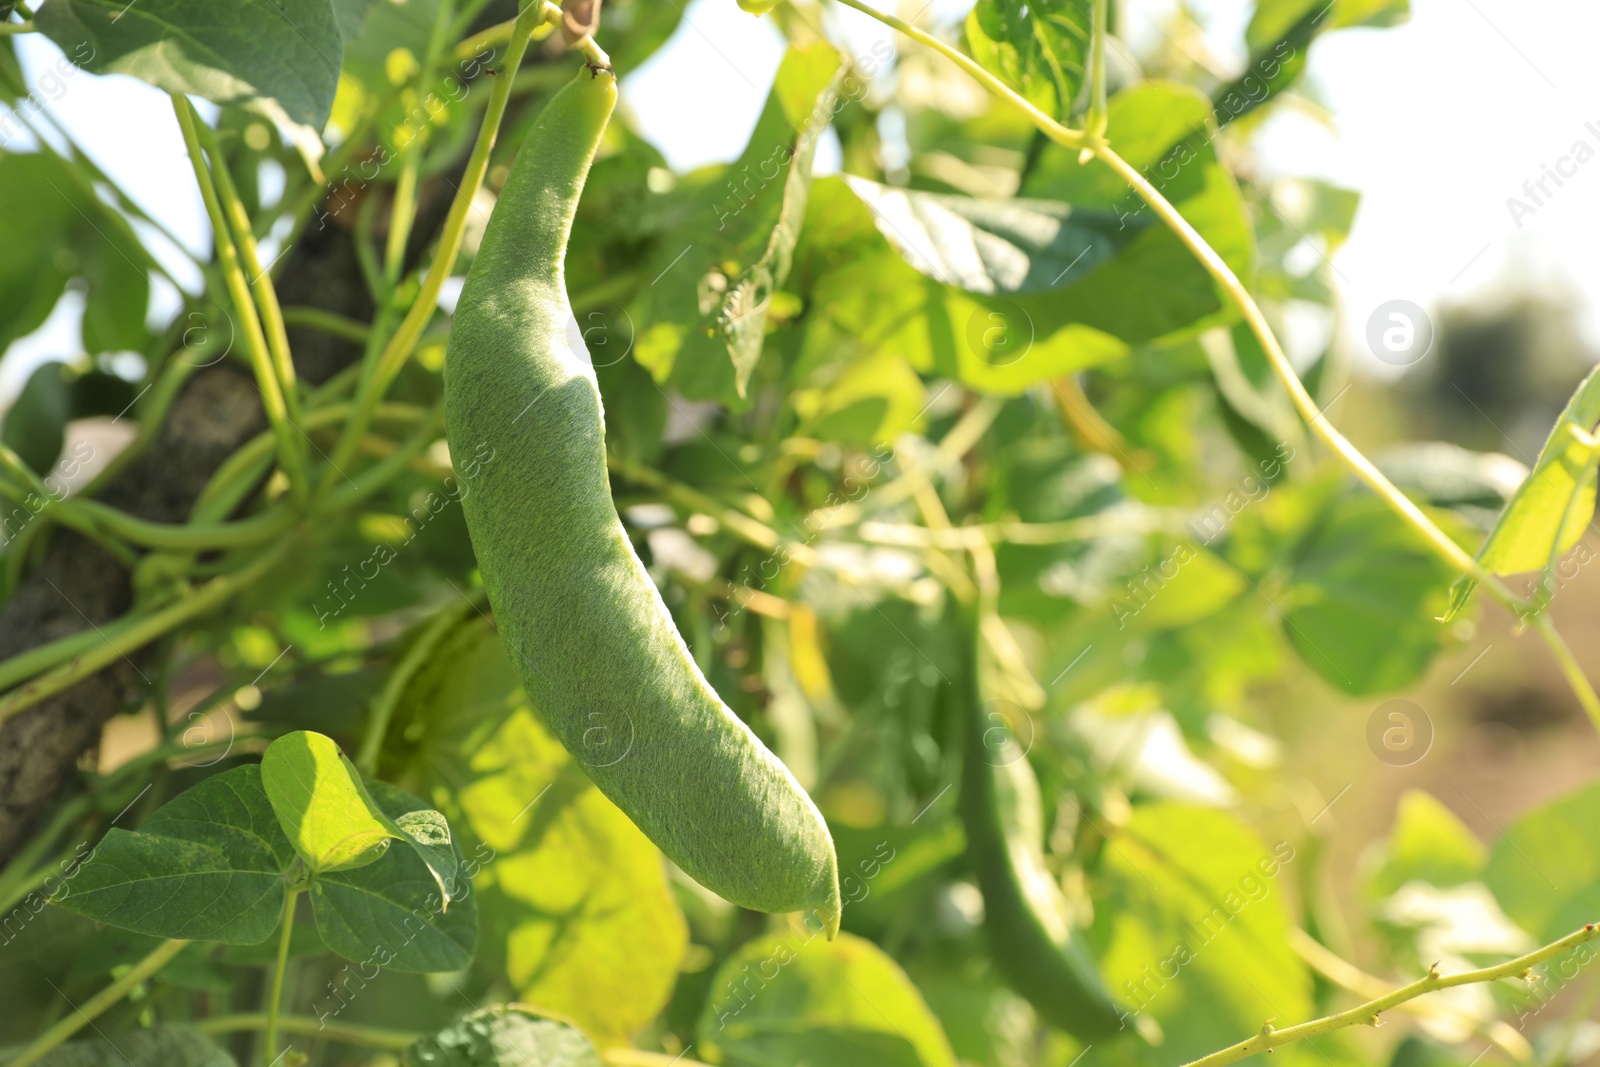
(1545, 868)
(798, 998)
(66, 234)
(393, 912)
(993, 246)
(208, 865)
(1366, 595)
(578, 912)
(281, 57)
(325, 809)
(317, 795)
(715, 275)
(1193, 912)
(507, 1036)
(1279, 38)
(1038, 48)
(1550, 510)
(1428, 843)
(161, 1046)
(35, 427)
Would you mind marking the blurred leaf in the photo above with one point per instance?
(35, 427)
(65, 234)
(1545, 868)
(509, 1036)
(208, 865)
(1428, 844)
(1366, 595)
(1448, 476)
(1039, 49)
(280, 56)
(715, 275)
(797, 998)
(1195, 921)
(1279, 38)
(161, 1046)
(1550, 510)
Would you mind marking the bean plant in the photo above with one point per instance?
(521, 561)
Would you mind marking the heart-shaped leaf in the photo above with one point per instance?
(208, 866)
(317, 795)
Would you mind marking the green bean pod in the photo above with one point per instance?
(1033, 946)
(592, 639)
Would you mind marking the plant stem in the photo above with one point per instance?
(269, 1043)
(260, 281)
(384, 703)
(85, 1013)
(133, 631)
(328, 322)
(7, 28)
(350, 1033)
(1239, 295)
(290, 448)
(403, 342)
(1367, 1014)
(1348, 976)
(1094, 122)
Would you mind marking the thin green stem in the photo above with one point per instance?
(90, 1009)
(1240, 296)
(1094, 122)
(1367, 1013)
(400, 346)
(95, 649)
(269, 1043)
(383, 705)
(404, 211)
(290, 444)
(328, 322)
(266, 293)
(8, 28)
(349, 1033)
(197, 536)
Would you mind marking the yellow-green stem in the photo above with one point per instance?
(89, 1010)
(290, 445)
(332, 1030)
(1367, 1013)
(266, 293)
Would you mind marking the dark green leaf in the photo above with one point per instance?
(208, 865)
(163, 1046)
(35, 427)
(504, 1037)
(279, 56)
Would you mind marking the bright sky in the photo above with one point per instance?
(1438, 123)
